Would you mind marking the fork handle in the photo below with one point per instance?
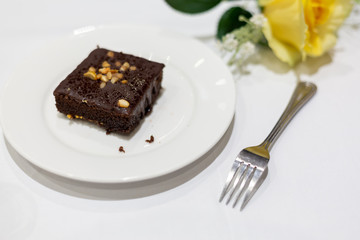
(302, 94)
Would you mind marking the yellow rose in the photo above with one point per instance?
(299, 28)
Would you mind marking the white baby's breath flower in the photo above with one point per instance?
(229, 42)
(258, 19)
(245, 51)
(241, 42)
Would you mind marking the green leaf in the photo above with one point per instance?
(230, 21)
(193, 6)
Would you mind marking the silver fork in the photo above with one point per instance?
(250, 167)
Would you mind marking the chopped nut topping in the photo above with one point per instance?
(106, 74)
(109, 75)
(84, 101)
(104, 70)
(125, 66)
(114, 79)
(110, 54)
(105, 64)
(104, 78)
(123, 103)
(102, 84)
(114, 70)
(91, 75)
(119, 75)
(69, 116)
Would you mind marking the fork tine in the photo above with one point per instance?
(256, 181)
(245, 183)
(229, 181)
(237, 181)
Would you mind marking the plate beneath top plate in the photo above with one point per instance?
(192, 113)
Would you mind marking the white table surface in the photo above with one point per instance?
(312, 190)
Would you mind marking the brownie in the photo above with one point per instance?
(112, 89)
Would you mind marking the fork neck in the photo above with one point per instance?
(302, 94)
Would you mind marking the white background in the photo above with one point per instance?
(312, 190)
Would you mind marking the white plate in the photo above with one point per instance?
(193, 112)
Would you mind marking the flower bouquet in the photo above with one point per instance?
(293, 29)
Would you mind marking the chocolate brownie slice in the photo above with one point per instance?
(113, 89)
